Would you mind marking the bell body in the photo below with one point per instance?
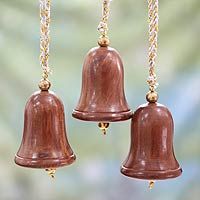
(151, 154)
(102, 95)
(44, 143)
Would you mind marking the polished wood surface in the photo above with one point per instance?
(44, 143)
(151, 154)
(102, 95)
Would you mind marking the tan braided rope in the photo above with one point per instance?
(103, 25)
(153, 43)
(45, 37)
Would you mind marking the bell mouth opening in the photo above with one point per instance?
(102, 116)
(151, 174)
(44, 163)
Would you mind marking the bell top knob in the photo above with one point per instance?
(44, 85)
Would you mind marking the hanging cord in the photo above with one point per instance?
(44, 84)
(152, 95)
(44, 43)
(104, 42)
(103, 25)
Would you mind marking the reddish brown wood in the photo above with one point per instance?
(151, 154)
(102, 96)
(44, 143)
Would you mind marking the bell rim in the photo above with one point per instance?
(102, 116)
(44, 163)
(151, 174)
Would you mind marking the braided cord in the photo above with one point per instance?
(103, 25)
(45, 37)
(153, 43)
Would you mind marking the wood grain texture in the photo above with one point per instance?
(44, 143)
(102, 95)
(151, 154)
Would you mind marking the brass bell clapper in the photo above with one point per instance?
(102, 98)
(103, 127)
(151, 184)
(51, 172)
(44, 143)
(151, 156)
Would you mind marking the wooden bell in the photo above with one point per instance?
(151, 153)
(102, 97)
(44, 143)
